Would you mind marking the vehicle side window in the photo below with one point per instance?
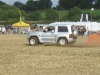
(62, 29)
(50, 29)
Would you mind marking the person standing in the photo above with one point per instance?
(3, 30)
(18, 30)
(87, 31)
(0, 29)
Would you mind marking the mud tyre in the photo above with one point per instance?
(62, 41)
(33, 41)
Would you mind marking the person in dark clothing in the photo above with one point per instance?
(18, 30)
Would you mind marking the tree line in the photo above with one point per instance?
(33, 5)
(42, 10)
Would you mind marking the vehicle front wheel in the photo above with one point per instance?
(62, 41)
(33, 41)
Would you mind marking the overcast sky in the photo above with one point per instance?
(55, 2)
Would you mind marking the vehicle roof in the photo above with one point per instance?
(72, 23)
(59, 24)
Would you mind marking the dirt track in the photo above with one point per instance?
(18, 58)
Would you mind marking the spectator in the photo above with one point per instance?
(87, 31)
(35, 27)
(81, 30)
(84, 30)
(3, 30)
(18, 30)
(0, 29)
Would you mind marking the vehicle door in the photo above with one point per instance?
(48, 34)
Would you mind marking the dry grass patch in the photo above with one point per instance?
(18, 58)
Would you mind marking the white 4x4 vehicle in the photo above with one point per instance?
(54, 33)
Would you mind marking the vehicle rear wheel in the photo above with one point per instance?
(33, 41)
(62, 41)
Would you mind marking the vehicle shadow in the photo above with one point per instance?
(69, 45)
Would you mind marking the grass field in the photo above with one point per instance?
(18, 58)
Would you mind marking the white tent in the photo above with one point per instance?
(92, 26)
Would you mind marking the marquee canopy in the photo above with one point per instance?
(21, 23)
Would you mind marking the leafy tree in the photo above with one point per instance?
(31, 6)
(74, 14)
(35, 16)
(13, 14)
(97, 4)
(2, 3)
(45, 4)
(23, 13)
(51, 15)
(3, 15)
(25, 8)
(58, 7)
(84, 4)
(18, 4)
(67, 4)
(65, 18)
(7, 7)
(8, 11)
